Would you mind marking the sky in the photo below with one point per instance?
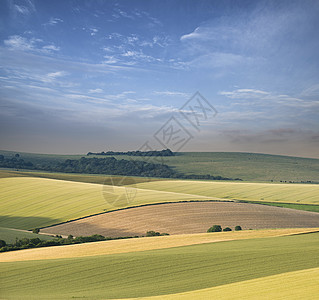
(80, 76)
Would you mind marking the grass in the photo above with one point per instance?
(86, 178)
(10, 235)
(305, 207)
(159, 272)
(144, 244)
(27, 202)
(247, 166)
(289, 193)
(291, 285)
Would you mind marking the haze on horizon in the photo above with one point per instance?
(79, 76)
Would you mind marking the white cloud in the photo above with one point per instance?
(16, 42)
(21, 9)
(94, 91)
(19, 43)
(51, 48)
(54, 21)
(195, 34)
(172, 93)
(244, 93)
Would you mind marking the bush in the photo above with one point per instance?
(238, 228)
(35, 241)
(36, 230)
(215, 228)
(2, 243)
(152, 233)
(227, 229)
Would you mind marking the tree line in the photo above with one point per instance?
(166, 152)
(107, 166)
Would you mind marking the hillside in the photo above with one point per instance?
(185, 218)
(247, 166)
(175, 270)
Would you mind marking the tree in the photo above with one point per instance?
(2, 243)
(70, 237)
(227, 229)
(237, 228)
(152, 233)
(36, 230)
(215, 228)
(35, 241)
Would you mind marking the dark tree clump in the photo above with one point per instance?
(227, 229)
(215, 228)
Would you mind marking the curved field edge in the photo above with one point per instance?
(291, 285)
(267, 192)
(9, 235)
(144, 244)
(27, 202)
(174, 270)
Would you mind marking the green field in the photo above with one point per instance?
(159, 272)
(28, 202)
(291, 285)
(10, 235)
(268, 192)
(247, 166)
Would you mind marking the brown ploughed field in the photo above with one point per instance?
(182, 218)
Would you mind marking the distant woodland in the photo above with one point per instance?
(106, 165)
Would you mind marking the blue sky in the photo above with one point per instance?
(79, 76)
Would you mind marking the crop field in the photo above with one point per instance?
(86, 178)
(291, 285)
(179, 218)
(175, 270)
(268, 192)
(27, 202)
(144, 244)
(9, 235)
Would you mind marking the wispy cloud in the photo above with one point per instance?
(17, 42)
(171, 93)
(245, 94)
(95, 91)
(25, 8)
(53, 21)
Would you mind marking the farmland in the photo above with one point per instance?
(291, 285)
(175, 270)
(182, 264)
(9, 235)
(39, 202)
(290, 193)
(247, 166)
(143, 244)
(179, 218)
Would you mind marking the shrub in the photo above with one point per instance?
(36, 230)
(238, 228)
(215, 228)
(2, 243)
(35, 241)
(70, 237)
(227, 229)
(152, 233)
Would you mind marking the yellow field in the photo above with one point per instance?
(27, 202)
(296, 285)
(143, 244)
(272, 192)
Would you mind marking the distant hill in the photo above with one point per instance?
(247, 166)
